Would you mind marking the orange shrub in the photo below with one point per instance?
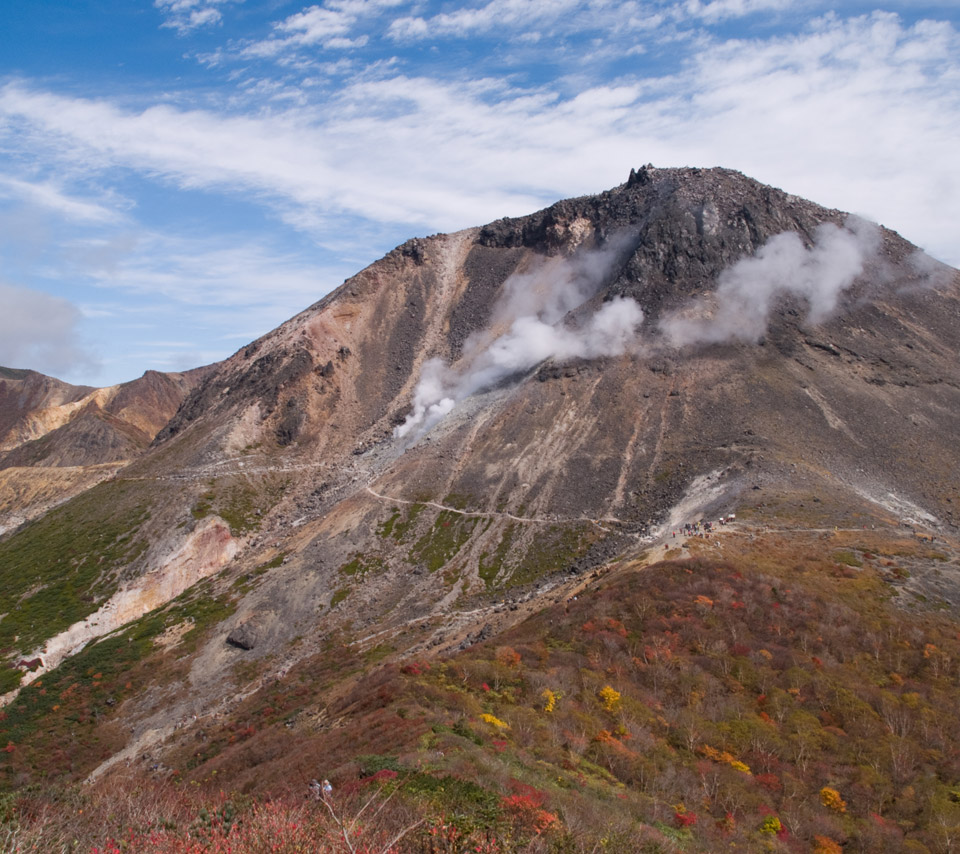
(825, 845)
(831, 799)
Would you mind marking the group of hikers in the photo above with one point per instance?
(701, 528)
(320, 791)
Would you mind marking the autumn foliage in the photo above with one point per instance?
(777, 704)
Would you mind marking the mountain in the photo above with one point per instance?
(429, 463)
(57, 439)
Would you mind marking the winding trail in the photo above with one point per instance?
(534, 520)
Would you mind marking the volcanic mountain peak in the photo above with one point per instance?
(477, 422)
(514, 397)
(340, 375)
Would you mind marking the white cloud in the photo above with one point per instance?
(40, 331)
(202, 17)
(327, 26)
(719, 10)
(861, 114)
(48, 195)
(202, 271)
(482, 19)
(187, 15)
(172, 302)
(510, 18)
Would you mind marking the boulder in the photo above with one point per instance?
(245, 636)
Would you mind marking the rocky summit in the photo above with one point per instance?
(493, 460)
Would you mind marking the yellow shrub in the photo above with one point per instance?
(494, 721)
(609, 697)
(549, 700)
(724, 756)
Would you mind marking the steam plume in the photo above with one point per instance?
(526, 327)
(747, 291)
(532, 319)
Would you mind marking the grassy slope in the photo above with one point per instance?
(67, 722)
(772, 699)
(62, 567)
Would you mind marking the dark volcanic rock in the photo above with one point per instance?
(260, 380)
(290, 423)
(245, 636)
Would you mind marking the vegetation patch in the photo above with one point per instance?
(61, 568)
(385, 529)
(361, 564)
(458, 500)
(399, 524)
(553, 549)
(441, 543)
(240, 502)
(62, 722)
(378, 653)
(847, 558)
(491, 565)
(773, 702)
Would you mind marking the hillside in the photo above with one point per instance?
(57, 440)
(350, 527)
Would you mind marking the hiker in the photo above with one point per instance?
(315, 789)
(327, 789)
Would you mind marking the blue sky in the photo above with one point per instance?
(177, 177)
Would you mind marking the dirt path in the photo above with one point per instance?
(535, 520)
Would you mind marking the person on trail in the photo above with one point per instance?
(316, 790)
(327, 789)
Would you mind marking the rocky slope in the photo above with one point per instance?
(474, 424)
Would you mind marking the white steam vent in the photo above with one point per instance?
(747, 291)
(526, 327)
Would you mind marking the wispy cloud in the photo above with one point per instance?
(216, 292)
(842, 87)
(202, 271)
(48, 195)
(720, 10)
(334, 132)
(187, 15)
(329, 26)
(518, 19)
(497, 14)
